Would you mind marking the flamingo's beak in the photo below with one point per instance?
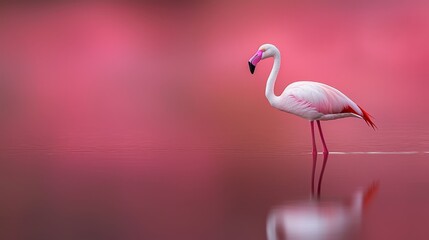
(251, 67)
(254, 60)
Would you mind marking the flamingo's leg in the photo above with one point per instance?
(312, 137)
(325, 149)
(314, 157)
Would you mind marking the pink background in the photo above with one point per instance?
(175, 74)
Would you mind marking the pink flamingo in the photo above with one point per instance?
(310, 100)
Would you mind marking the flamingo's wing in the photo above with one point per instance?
(323, 100)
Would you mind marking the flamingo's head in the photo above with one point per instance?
(264, 51)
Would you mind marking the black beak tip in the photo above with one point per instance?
(251, 67)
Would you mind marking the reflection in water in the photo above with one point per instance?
(315, 219)
(319, 186)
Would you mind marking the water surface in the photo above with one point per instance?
(204, 193)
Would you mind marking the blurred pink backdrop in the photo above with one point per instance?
(172, 74)
(167, 82)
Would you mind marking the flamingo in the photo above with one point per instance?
(310, 100)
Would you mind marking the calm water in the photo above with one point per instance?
(216, 192)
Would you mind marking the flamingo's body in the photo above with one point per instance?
(310, 100)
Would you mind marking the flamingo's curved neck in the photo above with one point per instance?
(269, 90)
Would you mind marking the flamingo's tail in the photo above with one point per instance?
(367, 117)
